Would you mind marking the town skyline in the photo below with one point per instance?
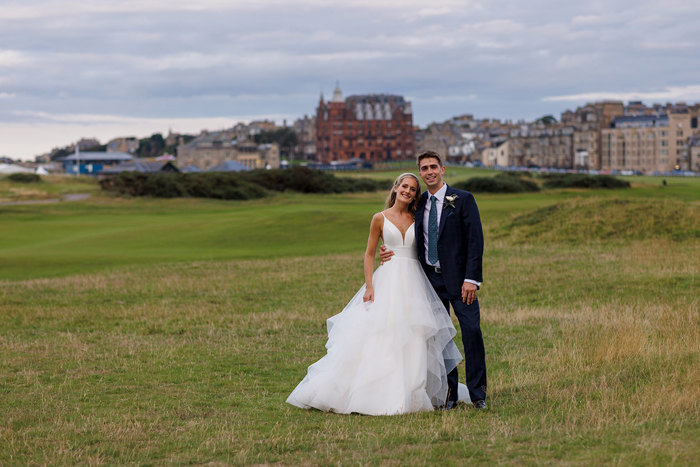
(359, 130)
(289, 120)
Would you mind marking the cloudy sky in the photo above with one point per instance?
(79, 68)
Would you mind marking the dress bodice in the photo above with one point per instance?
(402, 246)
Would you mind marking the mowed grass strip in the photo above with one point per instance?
(103, 233)
(592, 356)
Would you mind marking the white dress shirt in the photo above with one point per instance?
(439, 202)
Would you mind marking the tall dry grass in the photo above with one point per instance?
(592, 354)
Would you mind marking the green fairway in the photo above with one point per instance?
(59, 239)
(170, 331)
(104, 232)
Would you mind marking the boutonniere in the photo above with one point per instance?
(451, 200)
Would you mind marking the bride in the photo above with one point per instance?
(390, 349)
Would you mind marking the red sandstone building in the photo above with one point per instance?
(371, 127)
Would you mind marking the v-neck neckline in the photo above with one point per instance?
(403, 234)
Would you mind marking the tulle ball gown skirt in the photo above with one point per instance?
(390, 356)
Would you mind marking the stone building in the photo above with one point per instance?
(128, 145)
(542, 146)
(85, 144)
(305, 128)
(497, 154)
(436, 137)
(694, 154)
(647, 143)
(585, 149)
(588, 122)
(370, 127)
(210, 149)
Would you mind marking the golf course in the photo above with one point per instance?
(139, 330)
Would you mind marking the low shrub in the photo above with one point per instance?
(22, 177)
(224, 185)
(509, 182)
(583, 181)
(305, 180)
(235, 185)
(517, 174)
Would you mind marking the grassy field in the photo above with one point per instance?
(141, 331)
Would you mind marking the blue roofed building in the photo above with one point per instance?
(92, 162)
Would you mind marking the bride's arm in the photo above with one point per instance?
(375, 232)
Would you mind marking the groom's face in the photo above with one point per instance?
(431, 172)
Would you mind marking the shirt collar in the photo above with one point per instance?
(440, 194)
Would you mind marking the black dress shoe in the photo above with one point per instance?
(450, 405)
(479, 404)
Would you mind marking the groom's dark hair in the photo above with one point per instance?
(427, 154)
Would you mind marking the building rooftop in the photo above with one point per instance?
(640, 121)
(139, 166)
(85, 156)
(229, 166)
(376, 98)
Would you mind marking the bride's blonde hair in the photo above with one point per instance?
(391, 199)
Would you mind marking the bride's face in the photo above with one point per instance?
(406, 190)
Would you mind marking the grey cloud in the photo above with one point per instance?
(213, 58)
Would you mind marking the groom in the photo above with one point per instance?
(450, 247)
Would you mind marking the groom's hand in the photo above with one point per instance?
(384, 254)
(468, 293)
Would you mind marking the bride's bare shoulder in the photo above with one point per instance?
(378, 219)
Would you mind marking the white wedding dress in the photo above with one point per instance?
(390, 356)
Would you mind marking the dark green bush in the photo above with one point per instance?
(305, 180)
(517, 174)
(22, 177)
(583, 181)
(508, 182)
(235, 185)
(223, 185)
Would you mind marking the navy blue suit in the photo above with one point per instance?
(460, 250)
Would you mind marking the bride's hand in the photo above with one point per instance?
(369, 295)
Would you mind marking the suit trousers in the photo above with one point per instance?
(469, 319)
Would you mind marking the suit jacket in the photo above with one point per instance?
(460, 240)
